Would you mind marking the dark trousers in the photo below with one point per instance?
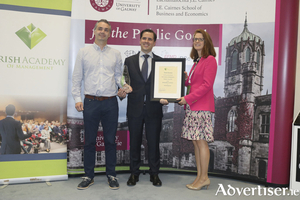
(152, 129)
(107, 112)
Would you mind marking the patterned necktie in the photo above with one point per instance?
(145, 67)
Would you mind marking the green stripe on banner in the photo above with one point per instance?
(49, 4)
(35, 168)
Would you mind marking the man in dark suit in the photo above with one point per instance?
(140, 110)
(11, 133)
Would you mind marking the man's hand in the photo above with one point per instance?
(164, 101)
(127, 88)
(79, 106)
(121, 93)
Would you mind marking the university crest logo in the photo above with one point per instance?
(102, 5)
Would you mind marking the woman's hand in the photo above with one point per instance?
(186, 76)
(181, 100)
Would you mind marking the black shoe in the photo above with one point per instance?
(85, 183)
(155, 180)
(132, 180)
(113, 182)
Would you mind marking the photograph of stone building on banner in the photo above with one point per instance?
(241, 120)
(242, 117)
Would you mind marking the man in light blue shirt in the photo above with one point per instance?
(100, 68)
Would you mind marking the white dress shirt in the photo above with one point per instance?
(100, 71)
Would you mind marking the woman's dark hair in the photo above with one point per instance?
(208, 48)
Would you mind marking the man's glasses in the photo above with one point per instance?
(198, 39)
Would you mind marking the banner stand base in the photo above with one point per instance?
(34, 179)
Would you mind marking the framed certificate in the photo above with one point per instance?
(167, 79)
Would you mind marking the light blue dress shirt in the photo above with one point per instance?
(100, 71)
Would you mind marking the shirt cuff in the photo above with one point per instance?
(77, 99)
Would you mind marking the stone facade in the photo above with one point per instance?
(242, 117)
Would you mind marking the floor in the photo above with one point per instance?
(173, 188)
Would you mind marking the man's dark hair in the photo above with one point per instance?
(10, 109)
(105, 21)
(150, 31)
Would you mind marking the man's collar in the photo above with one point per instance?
(150, 54)
(98, 48)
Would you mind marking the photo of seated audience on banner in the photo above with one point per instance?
(23, 133)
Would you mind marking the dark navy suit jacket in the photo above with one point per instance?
(140, 88)
(11, 133)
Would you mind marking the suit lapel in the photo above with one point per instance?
(150, 75)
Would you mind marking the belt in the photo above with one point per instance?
(97, 98)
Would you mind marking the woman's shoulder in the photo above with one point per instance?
(210, 57)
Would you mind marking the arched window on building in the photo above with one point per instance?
(82, 157)
(231, 121)
(165, 132)
(262, 168)
(166, 154)
(229, 153)
(248, 53)
(258, 59)
(264, 127)
(234, 61)
(98, 156)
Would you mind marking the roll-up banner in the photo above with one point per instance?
(242, 32)
(34, 57)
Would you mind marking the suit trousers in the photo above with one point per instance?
(152, 130)
(107, 112)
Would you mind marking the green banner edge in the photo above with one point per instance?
(47, 4)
